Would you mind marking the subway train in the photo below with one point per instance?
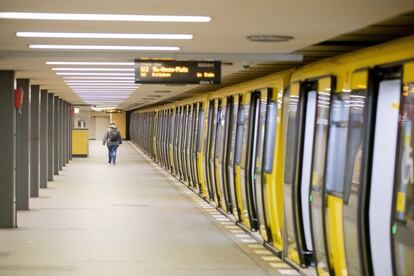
(317, 160)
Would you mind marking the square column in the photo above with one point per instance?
(23, 150)
(56, 137)
(43, 138)
(71, 113)
(61, 139)
(50, 136)
(34, 141)
(8, 150)
(67, 132)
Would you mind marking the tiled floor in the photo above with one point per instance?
(128, 219)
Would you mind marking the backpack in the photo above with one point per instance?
(113, 135)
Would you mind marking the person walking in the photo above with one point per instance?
(112, 139)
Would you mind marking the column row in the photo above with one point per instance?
(35, 143)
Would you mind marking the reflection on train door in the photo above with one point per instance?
(403, 207)
(231, 156)
(240, 159)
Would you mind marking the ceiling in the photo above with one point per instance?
(320, 28)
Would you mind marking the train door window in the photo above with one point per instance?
(200, 127)
(291, 126)
(270, 136)
(403, 225)
(338, 134)
(239, 135)
(382, 176)
(307, 163)
(218, 132)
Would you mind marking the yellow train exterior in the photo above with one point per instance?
(317, 160)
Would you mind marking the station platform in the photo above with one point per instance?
(127, 219)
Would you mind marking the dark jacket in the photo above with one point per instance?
(106, 139)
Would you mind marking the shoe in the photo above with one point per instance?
(109, 162)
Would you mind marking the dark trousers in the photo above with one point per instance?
(112, 153)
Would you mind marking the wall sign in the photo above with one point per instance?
(177, 72)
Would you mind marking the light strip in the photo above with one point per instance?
(100, 81)
(93, 74)
(104, 92)
(103, 17)
(104, 47)
(99, 78)
(89, 63)
(104, 35)
(93, 69)
(104, 89)
(123, 85)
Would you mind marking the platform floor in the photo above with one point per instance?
(128, 219)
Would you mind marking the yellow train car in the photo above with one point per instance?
(317, 160)
(345, 120)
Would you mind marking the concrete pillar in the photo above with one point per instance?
(61, 139)
(56, 136)
(50, 136)
(23, 148)
(70, 130)
(65, 137)
(67, 132)
(43, 138)
(35, 141)
(8, 151)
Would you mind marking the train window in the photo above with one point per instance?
(320, 140)
(292, 131)
(356, 131)
(404, 210)
(338, 134)
(270, 137)
(239, 136)
(219, 129)
(200, 127)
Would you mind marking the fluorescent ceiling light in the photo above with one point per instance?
(107, 90)
(89, 63)
(104, 47)
(93, 74)
(100, 81)
(99, 78)
(97, 84)
(93, 69)
(104, 92)
(103, 97)
(104, 35)
(103, 17)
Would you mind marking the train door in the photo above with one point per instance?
(193, 147)
(176, 141)
(184, 131)
(257, 182)
(171, 140)
(160, 138)
(232, 115)
(200, 150)
(272, 179)
(375, 147)
(181, 144)
(212, 147)
(208, 162)
(252, 144)
(218, 174)
(241, 159)
(403, 200)
(308, 117)
(164, 139)
(188, 132)
(223, 159)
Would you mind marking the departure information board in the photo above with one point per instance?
(177, 72)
